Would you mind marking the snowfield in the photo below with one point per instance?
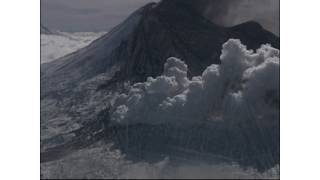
(54, 46)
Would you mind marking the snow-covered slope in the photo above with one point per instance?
(97, 58)
(69, 96)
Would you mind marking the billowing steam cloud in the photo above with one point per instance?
(244, 87)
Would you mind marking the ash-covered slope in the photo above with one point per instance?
(77, 90)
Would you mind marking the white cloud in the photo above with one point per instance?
(244, 86)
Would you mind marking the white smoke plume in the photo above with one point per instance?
(244, 87)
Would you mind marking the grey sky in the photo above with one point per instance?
(86, 15)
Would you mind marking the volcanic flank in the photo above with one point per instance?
(78, 90)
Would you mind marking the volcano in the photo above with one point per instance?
(77, 90)
(142, 43)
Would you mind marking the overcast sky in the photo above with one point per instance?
(86, 15)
